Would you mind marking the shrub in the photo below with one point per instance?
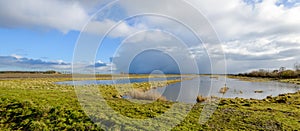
(288, 74)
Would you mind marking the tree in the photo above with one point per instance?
(281, 69)
(275, 71)
(297, 66)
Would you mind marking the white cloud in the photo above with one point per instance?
(100, 28)
(17, 56)
(234, 19)
(266, 36)
(265, 31)
(61, 15)
(64, 16)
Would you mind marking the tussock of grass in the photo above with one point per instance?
(140, 95)
(201, 99)
(223, 90)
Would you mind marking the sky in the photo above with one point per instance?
(171, 36)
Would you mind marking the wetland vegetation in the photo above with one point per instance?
(37, 103)
(282, 74)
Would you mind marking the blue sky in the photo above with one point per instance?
(48, 45)
(253, 34)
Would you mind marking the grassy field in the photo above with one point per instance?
(36, 103)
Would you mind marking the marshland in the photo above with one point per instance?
(39, 102)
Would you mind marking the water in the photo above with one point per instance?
(188, 90)
(211, 87)
(118, 81)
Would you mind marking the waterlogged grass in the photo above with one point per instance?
(277, 113)
(258, 79)
(250, 79)
(39, 104)
(294, 81)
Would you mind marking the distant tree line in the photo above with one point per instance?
(31, 72)
(282, 72)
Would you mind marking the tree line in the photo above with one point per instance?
(281, 73)
(31, 72)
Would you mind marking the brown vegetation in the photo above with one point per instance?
(258, 91)
(201, 99)
(141, 95)
(282, 73)
(223, 90)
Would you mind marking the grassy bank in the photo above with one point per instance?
(293, 81)
(251, 79)
(259, 79)
(38, 103)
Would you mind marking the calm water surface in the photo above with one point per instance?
(188, 90)
(118, 81)
(237, 88)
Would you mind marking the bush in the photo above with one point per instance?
(288, 74)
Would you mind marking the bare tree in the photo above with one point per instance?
(297, 66)
(281, 69)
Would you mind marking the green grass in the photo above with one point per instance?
(39, 104)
